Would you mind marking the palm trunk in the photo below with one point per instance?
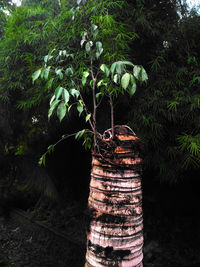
(115, 235)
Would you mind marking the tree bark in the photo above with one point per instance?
(114, 236)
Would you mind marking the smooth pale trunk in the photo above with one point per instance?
(115, 235)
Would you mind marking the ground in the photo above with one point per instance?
(170, 240)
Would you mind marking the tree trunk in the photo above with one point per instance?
(114, 236)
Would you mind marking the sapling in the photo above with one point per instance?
(102, 81)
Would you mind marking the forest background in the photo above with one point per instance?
(163, 37)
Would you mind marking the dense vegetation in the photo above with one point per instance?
(162, 36)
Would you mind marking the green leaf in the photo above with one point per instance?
(98, 95)
(82, 42)
(143, 75)
(69, 71)
(46, 73)
(59, 73)
(47, 58)
(84, 77)
(87, 142)
(88, 46)
(50, 148)
(105, 69)
(58, 91)
(52, 107)
(61, 111)
(80, 107)
(113, 66)
(128, 63)
(136, 72)
(97, 55)
(87, 117)
(132, 79)
(94, 27)
(132, 90)
(49, 83)
(42, 74)
(115, 78)
(52, 99)
(84, 80)
(99, 46)
(42, 160)
(91, 83)
(74, 93)
(100, 83)
(69, 108)
(65, 95)
(36, 75)
(119, 67)
(80, 134)
(125, 80)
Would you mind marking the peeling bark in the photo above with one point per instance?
(114, 236)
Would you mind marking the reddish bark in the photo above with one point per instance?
(115, 235)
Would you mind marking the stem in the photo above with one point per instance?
(112, 115)
(94, 99)
(87, 112)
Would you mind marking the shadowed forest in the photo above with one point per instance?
(45, 147)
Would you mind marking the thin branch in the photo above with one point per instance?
(100, 100)
(87, 113)
(62, 139)
(112, 115)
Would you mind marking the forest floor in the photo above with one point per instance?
(170, 241)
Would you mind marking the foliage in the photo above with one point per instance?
(26, 31)
(165, 112)
(4, 261)
(167, 116)
(103, 80)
